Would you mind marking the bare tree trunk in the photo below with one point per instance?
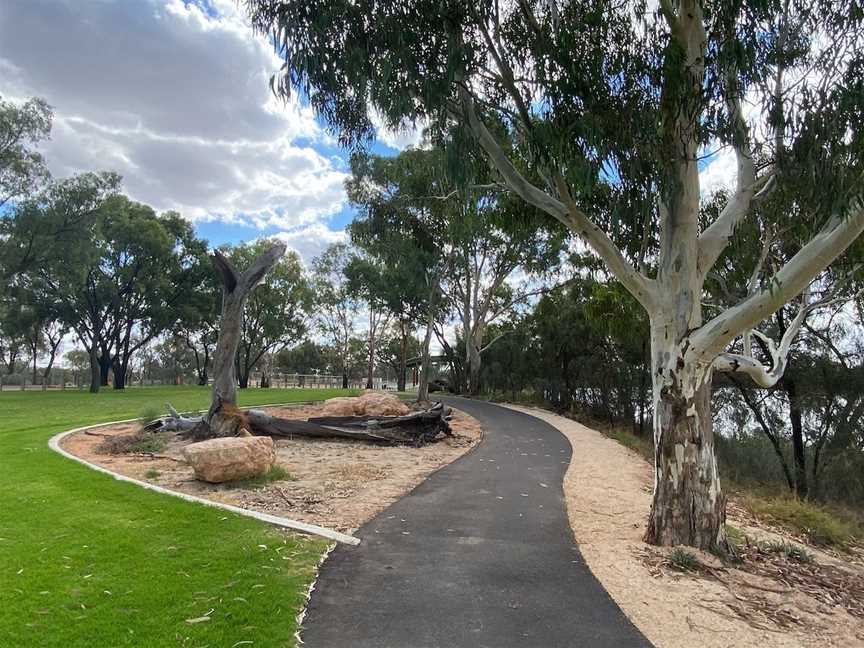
(766, 430)
(223, 418)
(104, 368)
(95, 373)
(370, 366)
(403, 357)
(52, 356)
(423, 387)
(798, 451)
(119, 369)
(688, 507)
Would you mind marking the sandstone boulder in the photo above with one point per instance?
(367, 404)
(230, 458)
(341, 406)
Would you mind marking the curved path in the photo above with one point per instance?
(479, 555)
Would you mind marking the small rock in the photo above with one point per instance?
(230, 458)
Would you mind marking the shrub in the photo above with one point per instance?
(788, 549)
(148, 443)
(148, 415)
(276, 473)
(683, 560)
(143, 442)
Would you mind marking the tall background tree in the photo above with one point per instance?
(22, 168)
(336, 303)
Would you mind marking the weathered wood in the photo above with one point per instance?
(417, 429)
(221, 419)
(265, 425)
(174, 422)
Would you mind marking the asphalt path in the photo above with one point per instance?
(480, 555)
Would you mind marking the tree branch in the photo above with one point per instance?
(710, 339)
(714, 239)
(640, 286)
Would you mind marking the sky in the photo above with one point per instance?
(175, 97)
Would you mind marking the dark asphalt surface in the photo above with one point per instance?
(480, 555)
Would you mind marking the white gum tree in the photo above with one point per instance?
(609, 110)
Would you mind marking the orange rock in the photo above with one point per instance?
(369, 403)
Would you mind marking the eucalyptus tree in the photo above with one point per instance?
(22, 168)
(120, 285)
(489, 246)
(391, 297)
(336, 304)
(430, 229)
(276, 312)
(307, 357)
(198, 327)
(43, 327)
(369, 281)
(149, 263)
(394, 350)
(610, 101)
(52, 223)
(13, 340)
(401, 223)
(802, 334)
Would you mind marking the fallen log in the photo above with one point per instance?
(417, 428)
(174, 422)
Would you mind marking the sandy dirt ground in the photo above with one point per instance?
(767, 602)
(336, 483)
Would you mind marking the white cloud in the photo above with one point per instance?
(311, 240)
(720, 173)
(177, 100)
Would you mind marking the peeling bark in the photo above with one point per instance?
(689, 506)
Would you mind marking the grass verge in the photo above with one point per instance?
(87, 561)
(820, 524)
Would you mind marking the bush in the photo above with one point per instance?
(141, 442)
(788, 549)
(148, 415)
(276, 473)
(683, 560)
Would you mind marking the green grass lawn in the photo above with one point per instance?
(89, 561)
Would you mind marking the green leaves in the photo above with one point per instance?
(22, 127)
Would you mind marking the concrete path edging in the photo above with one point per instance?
(296, 525)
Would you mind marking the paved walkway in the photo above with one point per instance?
(480, 555)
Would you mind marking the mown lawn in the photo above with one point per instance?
(89, 561)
